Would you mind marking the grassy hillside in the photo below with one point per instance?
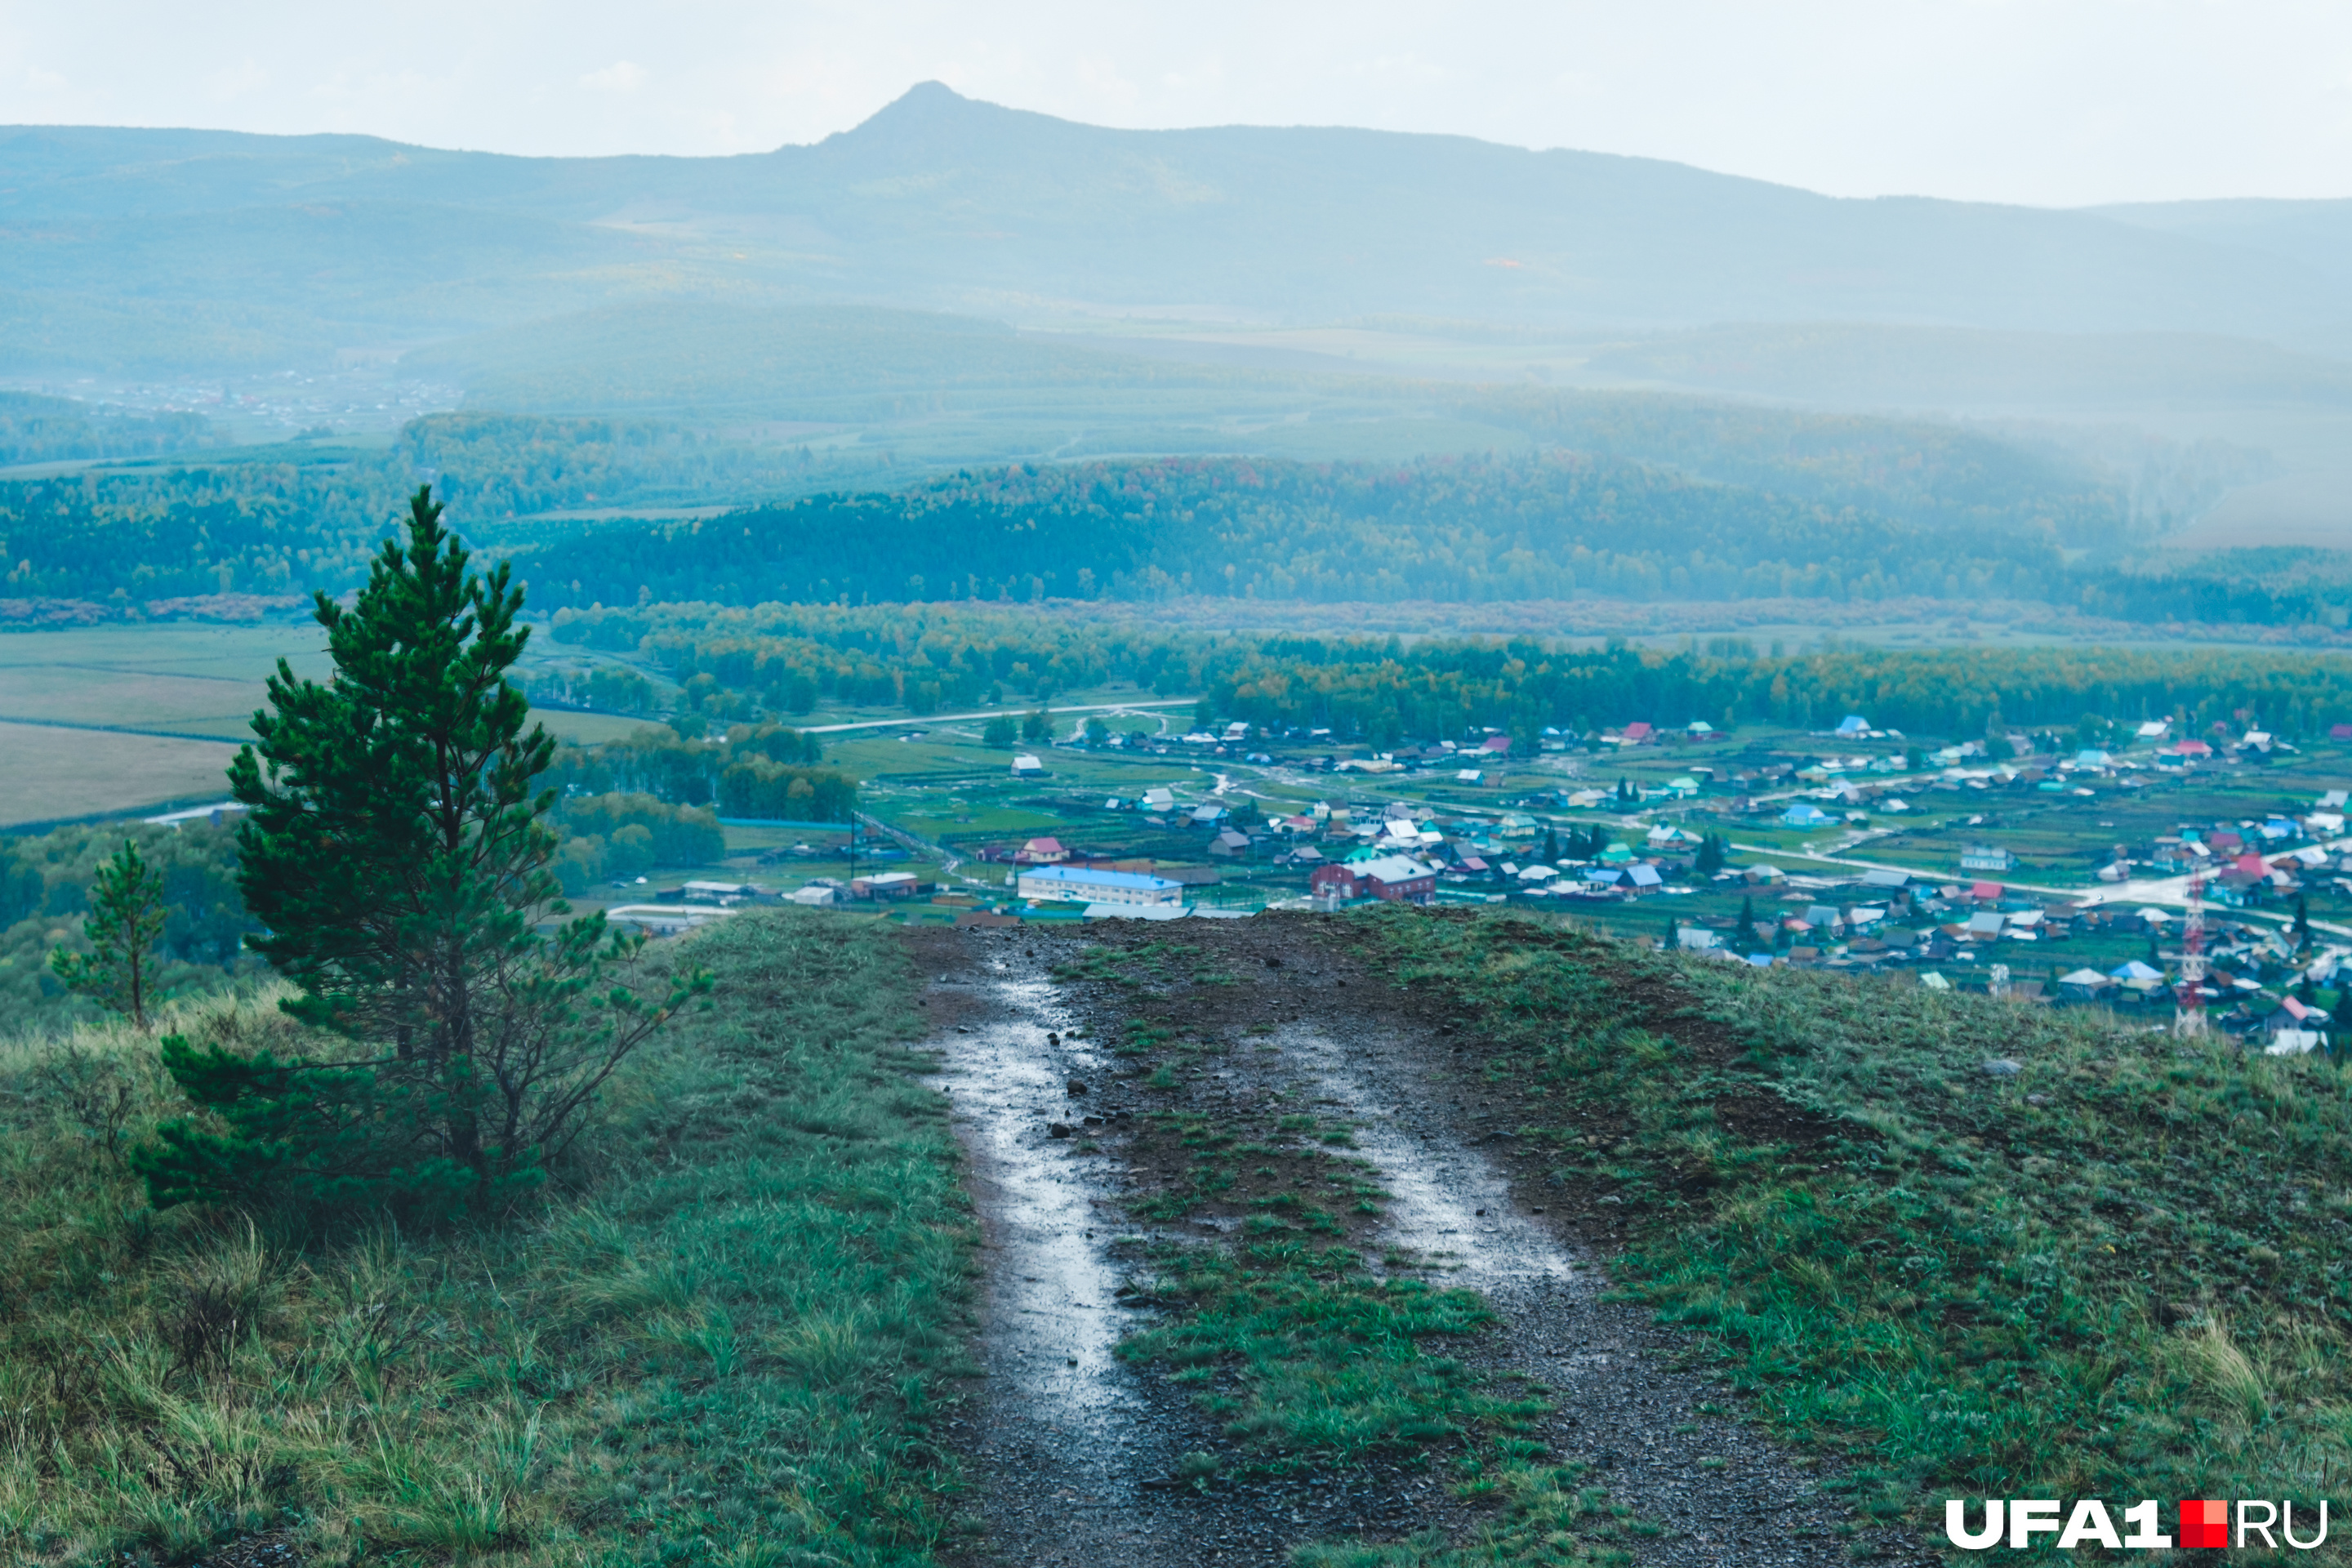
(718, 1340)
(1973, 1246)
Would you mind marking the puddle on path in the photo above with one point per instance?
(1066, 1436)
(1446, 1202)
(1051, 1287)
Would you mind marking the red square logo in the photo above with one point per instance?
(2205, 1524)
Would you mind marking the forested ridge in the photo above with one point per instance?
(308, 516)
(38, 429)
(1551, 526)
(1828, 508)
(1557, 525)
(738, 666)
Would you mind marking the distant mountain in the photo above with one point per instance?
(177, 247)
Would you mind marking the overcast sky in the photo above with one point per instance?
(2045, 101)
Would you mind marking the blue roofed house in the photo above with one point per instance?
(1854, 725)
(1805, 814)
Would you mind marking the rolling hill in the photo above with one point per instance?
(167, 246)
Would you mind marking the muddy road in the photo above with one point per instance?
(1098, 1076)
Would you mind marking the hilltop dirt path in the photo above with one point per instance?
(1076, 1456)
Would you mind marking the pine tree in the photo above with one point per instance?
(127, 914)
(1713, 850)
(395, 850)
(1551, 847)
(1746, 919)
(2302, 926)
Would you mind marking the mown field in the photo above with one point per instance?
(718, 1338)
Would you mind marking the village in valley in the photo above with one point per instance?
(2109, 865)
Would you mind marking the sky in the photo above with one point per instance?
(2047, 102)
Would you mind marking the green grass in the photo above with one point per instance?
(2116, 1273)
(1324, 1363)
(719, 1342)
(1309, 1359)
(1539, 1515)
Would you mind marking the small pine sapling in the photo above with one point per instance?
(127, 916)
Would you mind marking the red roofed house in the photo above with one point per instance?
(1985, 892)
(1498, 744)
(2189, 748)
(2340, 732)
(1638, 734)
(1398, 879)
(1041, 852)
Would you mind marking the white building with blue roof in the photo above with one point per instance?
(1080, 884)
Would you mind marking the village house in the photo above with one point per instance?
(1986, 857)
(1395, 879)
(1229, 842)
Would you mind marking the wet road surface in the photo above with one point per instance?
(1072, 1451)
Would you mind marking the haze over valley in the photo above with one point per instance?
(955, 282)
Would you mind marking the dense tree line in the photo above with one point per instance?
(141, 534)
(1383, 693)
(494, 466)
(37, 429)
(618, 838)
(310, 518)
(598, 687)
(737, 664)
(1556, 525)
(774, 659)
(2272, 586)
(756, 770)
(1722, 503)
(1550, 526)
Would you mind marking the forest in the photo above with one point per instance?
(1838, 503)
(37, 429)
(1543, 527)
(1629, 497)
(1557, 525)
(741, 666)
(1385, 693)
